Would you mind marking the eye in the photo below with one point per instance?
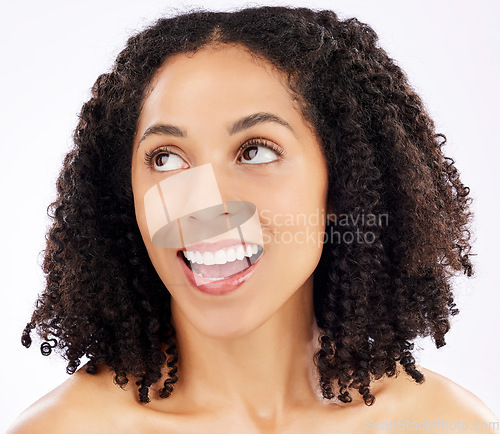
(259, 151)
(164, 160)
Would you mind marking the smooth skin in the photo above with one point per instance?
(245, 358)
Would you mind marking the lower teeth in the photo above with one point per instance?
(209, 278)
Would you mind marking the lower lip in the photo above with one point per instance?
(219, 287)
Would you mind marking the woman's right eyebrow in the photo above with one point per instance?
(162, 129)
(238, 126)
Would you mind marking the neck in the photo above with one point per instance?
(265, 373)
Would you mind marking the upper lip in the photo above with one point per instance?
(213, 247)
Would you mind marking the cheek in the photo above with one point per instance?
(294, 201)
(140, 212)
(162, 259)
(156, 254)
(299, 222)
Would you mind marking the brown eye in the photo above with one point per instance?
(167, 161)
(258, 154)
(250, 152)
(161, 159)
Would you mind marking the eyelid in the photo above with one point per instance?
(149, 156)
(260, 141)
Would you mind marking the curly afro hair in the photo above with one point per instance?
(103, 299)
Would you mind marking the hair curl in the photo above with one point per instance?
(103, 298)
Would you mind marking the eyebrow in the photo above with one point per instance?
(240, 125)
(255, 119)
(162, 129)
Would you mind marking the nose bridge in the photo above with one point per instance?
(223, 174)
(226, 182)
(195, 190)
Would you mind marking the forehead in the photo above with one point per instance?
(222, 80)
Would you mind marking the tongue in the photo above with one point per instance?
(225, 270)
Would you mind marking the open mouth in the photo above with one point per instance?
(222, 264)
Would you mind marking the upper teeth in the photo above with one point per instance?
(221, 256)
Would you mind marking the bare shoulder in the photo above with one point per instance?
(437, 404)
(454, 398)
(440, 399)
(83, 403)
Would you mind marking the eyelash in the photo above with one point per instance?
(264, 143)
(151, 155)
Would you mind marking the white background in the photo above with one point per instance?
(52, 52)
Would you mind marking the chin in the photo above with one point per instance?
(227, 322)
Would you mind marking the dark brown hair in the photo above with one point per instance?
(103, 298)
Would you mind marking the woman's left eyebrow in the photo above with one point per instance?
(258, 118)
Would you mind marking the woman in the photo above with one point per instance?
(256, 221)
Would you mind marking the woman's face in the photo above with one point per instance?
(230, 132)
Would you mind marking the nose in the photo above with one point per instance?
(188, 208)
